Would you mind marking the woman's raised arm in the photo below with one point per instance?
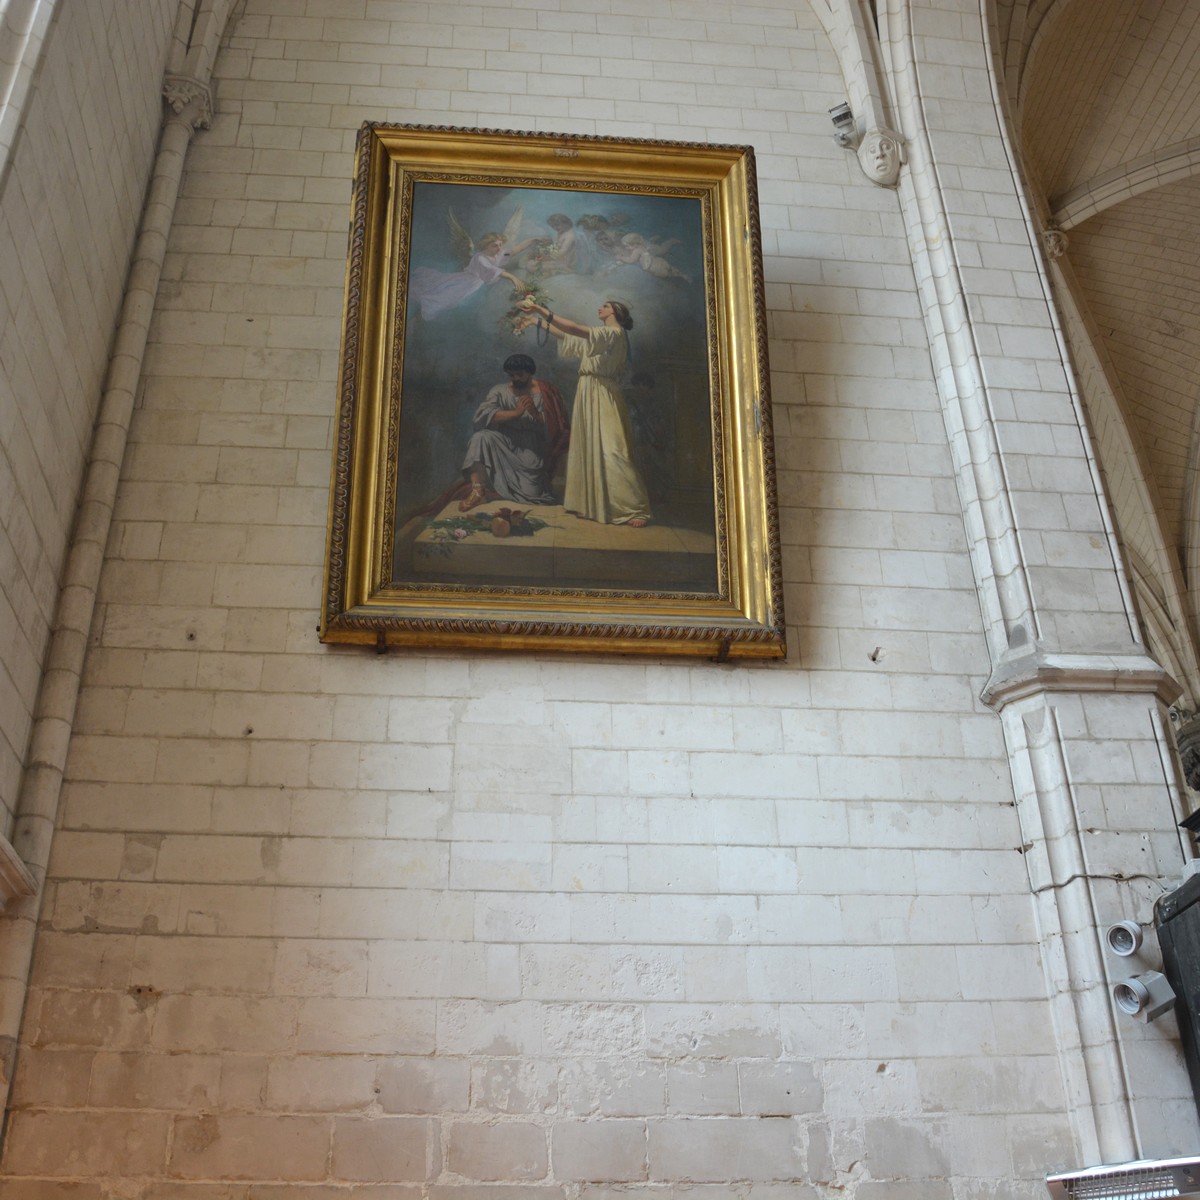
(558, 325)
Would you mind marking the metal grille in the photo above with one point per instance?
(1158, 1180)
(1132, 1185)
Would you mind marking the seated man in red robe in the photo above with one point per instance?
(520, 435)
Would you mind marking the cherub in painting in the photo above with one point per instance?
(649, 254)
(440, 291)
(566, 254)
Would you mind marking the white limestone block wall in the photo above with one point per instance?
(585, 927)
(70, 197)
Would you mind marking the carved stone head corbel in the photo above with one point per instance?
(880, 154)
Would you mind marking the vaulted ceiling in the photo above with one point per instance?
(1105, 97)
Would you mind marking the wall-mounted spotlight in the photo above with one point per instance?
(1144, 997)
(845, 130)
(1124, 938)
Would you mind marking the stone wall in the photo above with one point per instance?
(69, 207)
(442, 922)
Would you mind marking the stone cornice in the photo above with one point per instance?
(1034, 672)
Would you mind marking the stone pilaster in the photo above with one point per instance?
(1082, 704)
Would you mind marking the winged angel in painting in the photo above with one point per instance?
(484, 262)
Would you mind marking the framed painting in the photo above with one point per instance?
(553, 427)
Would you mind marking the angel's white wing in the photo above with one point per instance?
(514, 225)
(463, 246)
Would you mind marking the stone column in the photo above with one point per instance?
(188, 107)
(1081, 701)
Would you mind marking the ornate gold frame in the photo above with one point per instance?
(362, 603)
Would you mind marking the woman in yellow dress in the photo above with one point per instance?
(603, 483)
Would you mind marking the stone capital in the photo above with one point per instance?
(189, 99)
(1036, 671)
(1055, 241)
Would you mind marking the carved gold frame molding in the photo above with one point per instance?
(741, 616)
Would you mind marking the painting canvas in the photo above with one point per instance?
(544, 431)
(610, 470)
